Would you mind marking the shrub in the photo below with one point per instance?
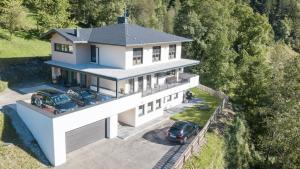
(3, 85)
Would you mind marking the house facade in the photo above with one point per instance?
(137, 71)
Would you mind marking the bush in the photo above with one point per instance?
(3, 85)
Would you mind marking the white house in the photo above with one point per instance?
(138, 71)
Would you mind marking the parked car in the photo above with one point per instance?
(180, 131)
(53, 101)
(82, 96)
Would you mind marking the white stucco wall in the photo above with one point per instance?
(61, 56)
(83, 53)
(147, 55)
(113, 56)
(41, 128)
(127, 117)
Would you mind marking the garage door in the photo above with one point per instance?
(85, 135)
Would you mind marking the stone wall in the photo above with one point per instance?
(17, 70)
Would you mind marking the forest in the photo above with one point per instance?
(248, 49)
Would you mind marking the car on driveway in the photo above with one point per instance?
(82, 96)
(53, 101)
(181, 131)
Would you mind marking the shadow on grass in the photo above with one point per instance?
(9, 135)
(29, 34)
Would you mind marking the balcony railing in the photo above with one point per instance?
(184, 78)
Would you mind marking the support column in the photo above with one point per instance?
(112, 126)
(177, 73)
(97, 84)
(117, 88)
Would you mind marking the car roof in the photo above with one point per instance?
(180, 124)
(49, 92)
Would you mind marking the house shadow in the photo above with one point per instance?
(159, 136)
(11, 136)
(17, 71)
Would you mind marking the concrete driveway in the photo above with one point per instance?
(141, 151)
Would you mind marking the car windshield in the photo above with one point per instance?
(87, 95)
(177, 126)
(61, 99)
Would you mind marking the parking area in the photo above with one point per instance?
(143, 150)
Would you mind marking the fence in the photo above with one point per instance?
(196, 143)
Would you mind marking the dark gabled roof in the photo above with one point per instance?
(119, 34)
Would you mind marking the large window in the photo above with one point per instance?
(137, 56)
(158, 104)
(172, 51)
(141, 110)
(63, 48)
(150, 107)
(156, 52)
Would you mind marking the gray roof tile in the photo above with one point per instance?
(119, 34)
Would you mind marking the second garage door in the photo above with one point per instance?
(85, 135)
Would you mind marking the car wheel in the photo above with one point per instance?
(183, 141)
(55, 112)
(38, 102)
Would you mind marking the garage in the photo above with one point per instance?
(85, 135)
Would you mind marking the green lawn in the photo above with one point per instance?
(12, 156)
(21, 46)
(212, 155)
(194, 114)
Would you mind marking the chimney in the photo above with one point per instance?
(122, 20)
(76, 32)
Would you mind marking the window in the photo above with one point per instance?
(141, 110)
(172, 51)
(169, 98)
(63, 48)
(158, 104)
(176, 96)
(137, 56)
(93, 53)
(150, 107)
(156, 53)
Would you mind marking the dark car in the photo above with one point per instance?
(82, 96)
(182, 130)
(53, 101)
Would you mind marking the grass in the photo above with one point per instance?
(3, 85)
(212, 155)
(195, 115)
(12, 156)
(20, 46)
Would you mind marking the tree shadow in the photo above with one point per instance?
(9, 135)
(28, 34)
(4, 36)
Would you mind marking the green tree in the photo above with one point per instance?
(212, 28)
(52, 14)
(12, 15)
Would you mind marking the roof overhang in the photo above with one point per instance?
(121, 74)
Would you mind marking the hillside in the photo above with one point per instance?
(24, 43)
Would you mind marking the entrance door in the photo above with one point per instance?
(140, 83)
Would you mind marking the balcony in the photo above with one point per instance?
(184, 78)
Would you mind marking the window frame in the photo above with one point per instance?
(65, 48)
(150, 104)
(143, 110)
(156, 56)
(172, 54)
(176, 96)
(169, 98)
(158, 102)
(137, 59)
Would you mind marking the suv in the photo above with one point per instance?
(180, 131)
(82, 96)
(53, 101)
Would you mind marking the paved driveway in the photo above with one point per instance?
(141, 151)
